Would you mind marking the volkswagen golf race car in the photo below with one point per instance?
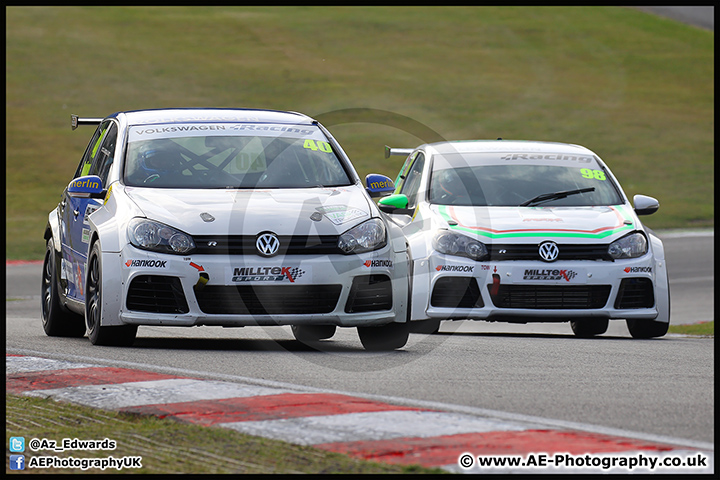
(225, 217)
(519, 231)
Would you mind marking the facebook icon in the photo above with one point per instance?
(17, 462)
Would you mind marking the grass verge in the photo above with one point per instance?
(167, 446)
(704, 329)
(635, 88)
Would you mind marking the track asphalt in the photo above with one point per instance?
(359, 427)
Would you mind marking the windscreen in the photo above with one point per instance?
(507, 179)
(243, 156)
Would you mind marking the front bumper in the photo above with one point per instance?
(447, 287)
(235, 290)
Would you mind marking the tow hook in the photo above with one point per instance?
(496, 285)
(203, 279)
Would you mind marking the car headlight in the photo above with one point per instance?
(362, 238)
(451, 243)
(630, 246)
(158, 237)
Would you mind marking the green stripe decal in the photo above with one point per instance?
(620, 226)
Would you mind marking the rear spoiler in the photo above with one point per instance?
(76, 121)
(397, 151)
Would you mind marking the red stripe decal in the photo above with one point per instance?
(265, 407)
(445, 450)
(43, 380)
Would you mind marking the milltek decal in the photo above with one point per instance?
(266, 274)
(378, 263)
(566, 275)
(146, 263)
(455, 268)
(638, 270)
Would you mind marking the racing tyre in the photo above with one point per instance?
(589, 328)
(313, 333)
(56, 320)
(119, 336)
(385, 338)
(425, 326)
(646, 328)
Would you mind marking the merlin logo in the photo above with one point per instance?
(638, 270)
(266, 274)
(146, 263)
(378, 263)
(455, 268)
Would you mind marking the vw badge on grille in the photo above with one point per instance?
(267, 244)
(548, 251)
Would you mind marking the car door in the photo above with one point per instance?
(75, 231)
(410, 187)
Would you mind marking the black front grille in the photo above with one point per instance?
(268, 299)
(156, 294)
(635, 293)
(369, 293)
(550, 297)
(499, 252)
(456, 292)
(245, 245)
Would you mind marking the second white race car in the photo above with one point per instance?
(518, 231)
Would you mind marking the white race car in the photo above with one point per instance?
(519, 231)
(223, 217)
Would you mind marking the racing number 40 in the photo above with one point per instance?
(319, 145)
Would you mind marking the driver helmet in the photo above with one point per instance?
(449, 182)
(159, 159)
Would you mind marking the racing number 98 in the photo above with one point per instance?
(596, 174)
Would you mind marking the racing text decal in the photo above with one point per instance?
(552, 156)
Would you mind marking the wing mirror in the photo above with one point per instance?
(395, 204)
(645, 205)
(379, 185)
(89, 186)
